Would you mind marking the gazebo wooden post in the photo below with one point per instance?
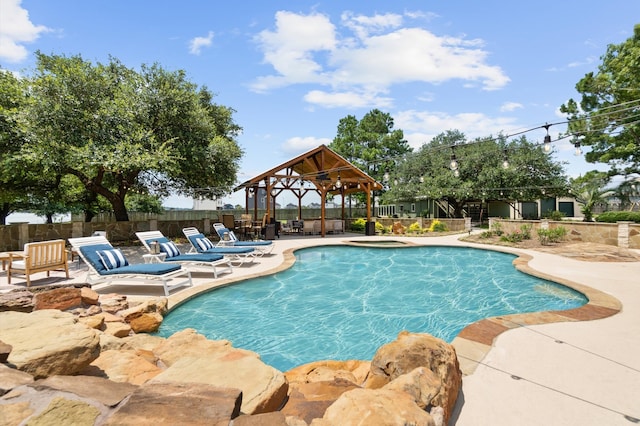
(368, 202)
(323, 210)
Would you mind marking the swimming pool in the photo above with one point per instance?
(343, 302)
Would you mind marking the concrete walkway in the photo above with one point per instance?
(566, 373)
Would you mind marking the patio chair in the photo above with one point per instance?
(173, 253)
(263, 247)
(43, 256)
(201, 244)
(107, 265)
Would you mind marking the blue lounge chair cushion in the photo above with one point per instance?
(90, 254)
(112, 259)
(252, 243)
(144, 269)
(200, 257)
(197, 238)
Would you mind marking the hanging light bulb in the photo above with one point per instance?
(456, 173)
(505, 162)
(547, 143)
(273, 192)
(385, 177)
(547, 139)
(338, 182)
(578, 150)
(421, 179)
(453, 165)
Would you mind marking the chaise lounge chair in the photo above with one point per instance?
(108, 265)
(173, 254)
(229, 239)
(202, 245)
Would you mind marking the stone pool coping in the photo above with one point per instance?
(476, 340)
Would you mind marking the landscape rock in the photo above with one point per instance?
(144, 322)
(354, 371)
(188, 343)
(48, 342)
(105, 392)
(117, 329)
(267, 419)
(263, 387)
(421, 383)
(113, 303)
(11, 378)
(17, 301)
(309, 401)
(178, 404)
(5, 350)
(89, 296)
(94, 321)
(143, 341)
(123, 366)
(380, 407)
(62, 411)
(412, 350)
(58, 298)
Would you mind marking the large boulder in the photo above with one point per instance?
(20, 300)
(11, 378)
(178, 404)
(354, 371)
(123, 366)
(188, 343)
(263, 387)
(48, 342)
(58, 298)
(413, 350)
(309, 401)
(380, 407)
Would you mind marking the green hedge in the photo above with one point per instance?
(613, 217)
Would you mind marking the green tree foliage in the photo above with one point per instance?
(117, 130)
(589, 190)
(479, 172)
(607, 118)
(370, 143)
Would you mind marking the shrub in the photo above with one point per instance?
(437, 226)
(381, 228)
(415, 227)
(523, 234)
(358, 225)
(549, 236)
(613, 217)
(497, 228)
(553, 215)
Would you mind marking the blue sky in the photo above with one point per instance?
(293, 69)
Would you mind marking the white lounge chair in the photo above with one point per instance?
(173, 254)
(108, 265)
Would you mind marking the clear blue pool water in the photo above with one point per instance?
(342, 302)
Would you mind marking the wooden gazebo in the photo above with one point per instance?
(321, 170)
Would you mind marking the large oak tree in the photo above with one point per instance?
(118, 130)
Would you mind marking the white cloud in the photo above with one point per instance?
(298, 145)
(421, 126)
(197, 43)
(347, 99)
(15, 30)
(510, 106)
(308, 49)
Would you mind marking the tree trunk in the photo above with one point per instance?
(49, 217)
(119, 210)
(88, 215)
(5, 211)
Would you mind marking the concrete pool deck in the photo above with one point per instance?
(582, 371)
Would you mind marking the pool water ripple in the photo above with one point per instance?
(343, 302)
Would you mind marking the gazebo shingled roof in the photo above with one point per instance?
(327, 171)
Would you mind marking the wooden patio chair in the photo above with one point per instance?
(43, 256)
